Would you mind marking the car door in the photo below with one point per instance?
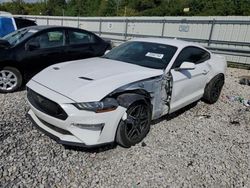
(44, 49)
(188, 85)
(80, 44)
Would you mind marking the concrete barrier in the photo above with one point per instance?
(223, 35)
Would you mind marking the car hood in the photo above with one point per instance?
(91, 79)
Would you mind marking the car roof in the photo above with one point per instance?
(42, 27)
(5, 14)
(172, 42)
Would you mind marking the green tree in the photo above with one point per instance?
(55, 7)
(107, 8)
(130, 7)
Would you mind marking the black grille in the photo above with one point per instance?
(45, 105)
(57, 129)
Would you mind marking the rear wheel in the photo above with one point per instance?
(132, 130)
(10, 79)
(213, 89)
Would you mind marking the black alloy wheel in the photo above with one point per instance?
(132, 130)
(213, 89)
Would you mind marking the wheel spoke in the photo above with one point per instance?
(13, 79)
(9, 75)
(139, 131)
(136, 111)
(131, 117)
(144, 116)
(131, 120)
(4, 86)
(131, 133)
(8, 85)
(3, 73)
(141, 110)
(143, 121)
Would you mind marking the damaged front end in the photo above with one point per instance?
(155, 91)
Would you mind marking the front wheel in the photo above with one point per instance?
(10, 79)
(132, 130)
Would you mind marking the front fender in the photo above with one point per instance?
(126, 99)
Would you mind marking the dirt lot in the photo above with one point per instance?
(201, 146)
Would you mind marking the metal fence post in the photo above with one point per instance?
(211, 32)
(47, 20)
(126, 29)
(100, 27)
(163, 27)
(62, 21)
(78, 22)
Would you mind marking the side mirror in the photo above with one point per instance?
(107, 51)
(4, 43)
(187, 66)
(33, 45)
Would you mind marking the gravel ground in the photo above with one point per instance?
(202, 146)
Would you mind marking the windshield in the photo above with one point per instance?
(18, 36)
(146, 54)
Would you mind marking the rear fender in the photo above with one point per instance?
(218, 65)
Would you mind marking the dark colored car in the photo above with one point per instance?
(27, 51)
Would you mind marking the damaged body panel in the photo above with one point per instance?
(156, 91)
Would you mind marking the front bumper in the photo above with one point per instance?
(80, 128)
(63, 142)
(64, 132)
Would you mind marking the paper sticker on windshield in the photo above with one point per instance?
(154, 55)
(32, 31)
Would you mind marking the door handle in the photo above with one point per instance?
(205, 72)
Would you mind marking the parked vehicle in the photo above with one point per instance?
(8, 23)
(114, 98)
(23, 22)
(27, 51)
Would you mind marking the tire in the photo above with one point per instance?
(10, 79)
(213, 89)
(129, 131)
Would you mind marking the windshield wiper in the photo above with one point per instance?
(105, 57)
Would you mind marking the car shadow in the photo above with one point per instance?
(173, 115)
(22, 88)
(97, 149)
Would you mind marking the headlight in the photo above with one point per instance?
(106, 105)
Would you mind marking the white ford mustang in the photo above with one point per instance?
(114, 98)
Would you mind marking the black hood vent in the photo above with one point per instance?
(85, 78)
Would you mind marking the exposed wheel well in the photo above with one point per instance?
(126, 98)
(11, 64)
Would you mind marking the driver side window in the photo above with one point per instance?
(191, 54)
(50, 39)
